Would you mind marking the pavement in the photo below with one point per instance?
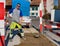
(35, 22)
(52, 35)
(29, 35)
(17, 40)
(30, 39)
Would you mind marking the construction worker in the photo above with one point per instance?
(16, 21)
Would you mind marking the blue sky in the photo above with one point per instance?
(56, 2)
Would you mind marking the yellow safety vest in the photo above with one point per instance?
(14, 24)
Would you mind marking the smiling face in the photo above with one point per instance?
(18, 6)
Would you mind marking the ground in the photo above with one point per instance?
(30, 40)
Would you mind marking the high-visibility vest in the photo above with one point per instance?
(14, 24)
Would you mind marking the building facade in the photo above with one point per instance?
(59, 4)
(34, 5)
(8, 2)
(33, 10)
(50, 5)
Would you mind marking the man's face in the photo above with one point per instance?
(18, 6)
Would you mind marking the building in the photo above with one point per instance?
(8, 4)
(34, 4)
(58, 4)
(34, 7)
(25, 6)
(52, 4)
(49, 5)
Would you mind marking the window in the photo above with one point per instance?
(32, 8)
(32, 13)
(36, 14)
(36, 8)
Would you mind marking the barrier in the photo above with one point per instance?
(2, 32)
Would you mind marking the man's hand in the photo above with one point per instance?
(9, 15)
(21, 19)
(20, 22)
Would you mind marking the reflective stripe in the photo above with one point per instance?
(40, 20)
(22, 34)
(14, 24)
(11, 35)
(51, 26)
(54, 26)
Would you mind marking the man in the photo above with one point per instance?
(16, 21)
